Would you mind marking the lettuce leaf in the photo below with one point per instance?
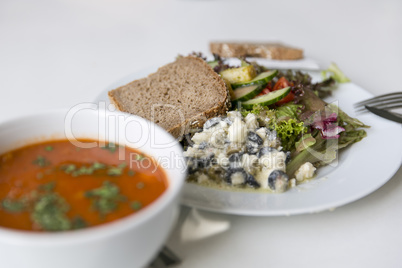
(321, 153)
(335, 73)
(289, 110)
(327, 121)
(305, 141)
(288, 132)
(265, 116)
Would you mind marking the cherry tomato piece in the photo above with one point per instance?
(263, 92)
(282, 83)
(286, 99)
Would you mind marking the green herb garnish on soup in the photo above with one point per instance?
(74, 188)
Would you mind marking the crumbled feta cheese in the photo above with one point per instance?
(222, 160)
(200, 137)
(191, 152)
(251, 121)
(271, 139)
(218, 138)
(262, 177)
(237, 178)
(262, 132)
(222, 137)
(223, 125)
(237, 132)
(274, 160)
(292, 183)
(305, 171)
(248, 162)
(202, 178)
(232, 115)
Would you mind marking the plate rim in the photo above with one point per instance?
(297, 211)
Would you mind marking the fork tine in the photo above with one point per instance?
(385, 104)
(397, 105)
(385, 97)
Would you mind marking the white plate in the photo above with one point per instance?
(360, 170)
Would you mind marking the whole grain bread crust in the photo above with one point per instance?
(197, 121)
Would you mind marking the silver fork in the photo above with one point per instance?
(387, 102)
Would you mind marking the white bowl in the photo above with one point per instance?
(129, 242)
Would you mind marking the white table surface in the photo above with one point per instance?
(60, 53)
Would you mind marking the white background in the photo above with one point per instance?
(59, 53)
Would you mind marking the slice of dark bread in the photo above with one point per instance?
(180, 96)
(263, 50)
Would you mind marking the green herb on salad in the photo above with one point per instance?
(288, 132)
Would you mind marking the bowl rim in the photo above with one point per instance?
(102, 231)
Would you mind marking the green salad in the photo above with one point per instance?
(265, 103)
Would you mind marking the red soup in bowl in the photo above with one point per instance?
(57, 186)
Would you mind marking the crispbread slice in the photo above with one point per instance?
(179, 96)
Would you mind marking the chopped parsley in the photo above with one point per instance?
(14, 206)
(39, 175)
(111, 170)
(106, 198)
(47, 209)
(116, 171)
(47, 187)
(136, 205)
(111, 147)
(140, 157)
(49, 148)
(78, 223)
(98, 165)
(41, 161)
(140, 185)
(49, 212)
(68, 168)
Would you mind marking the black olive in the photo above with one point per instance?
(191, 168)
(252, 136)
(202, 145)
(212, 122)
(278, 181)
(265, 150)
(288, 158)
(251, 181)
(201, 162)
(216, 172)
(212, 160)
(194, 164)
(235, 161)
(252, 147)
(235, 157)
(208, 160)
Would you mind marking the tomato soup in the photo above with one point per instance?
(57, 186)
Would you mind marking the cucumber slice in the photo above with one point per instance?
(261, 79)
(213, 64)
(246, 93)
(267, 99)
